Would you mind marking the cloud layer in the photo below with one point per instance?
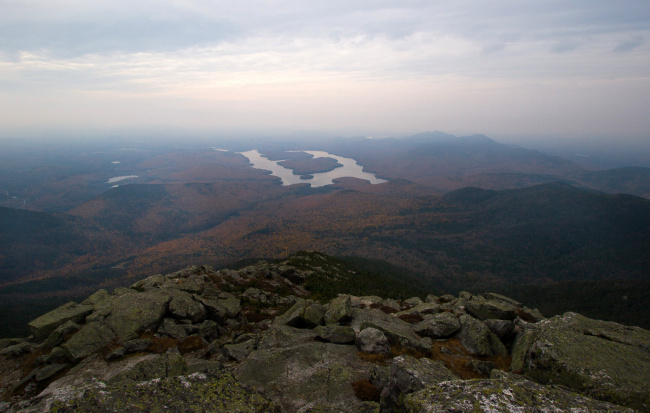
(507, 67)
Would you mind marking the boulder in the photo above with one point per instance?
(280, 336)
(339, 310)
(89, 339)
(149, 367)
(44, 325)
(371, 340)
(604, 360)
(408, 375)
(422, 309)
(170, 328)
(238, 351)
(60, 333)
(218, 392)
(221, 308)
(504, 393)
(131, 314)
(441, 325)
(304, 375)
(149, 283)
(183, 307)
(397, 331)
(336, 334)
(491, 309)
(314, 314)
(18, 349)
(477, 338)
(96, 298)
(503, 329)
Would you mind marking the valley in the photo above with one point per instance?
(457, 213)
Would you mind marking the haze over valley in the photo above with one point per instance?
(458, 213)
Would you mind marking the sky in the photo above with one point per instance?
(575, 69)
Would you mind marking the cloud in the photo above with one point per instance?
(630, 44)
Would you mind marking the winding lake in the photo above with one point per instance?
(349, 168)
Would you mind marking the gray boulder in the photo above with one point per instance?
(336, 334)
(222, 308)
(183, 307)
(441, 325)
(604, 360)
(339, 310)
(60, 333)
(306, 375)
(397, 331)
(371, 340)
(504, 393)
(89, 339)
(132, 314)
(477, 338)
(96, 298)
(44, 325)
(491, 309)
(408, 375)
(503, 329)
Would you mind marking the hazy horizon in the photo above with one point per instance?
(517, 72)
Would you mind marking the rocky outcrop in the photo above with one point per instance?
(600, 359)
(503, 393)
(254, 340)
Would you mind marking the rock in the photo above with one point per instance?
(336, 334)
(96, 298)
(60, 333)
(413, 301)
(397, 331)
(44, 325)
(371, 340)
(150, 283)
(238, 351)
(285, 336)
(365, 301)
(314, 314)
(303, 314)
(208, 329)
(170, 328)
(604, 360)
(219, 392)
(137, 345)
(132, 314)
(193, 284)
(183, 307)
(477, 338)
(339, 310)
(89, 339)
(18, 349)
(421, 309)
(49, 371)
(390, 304)
(491, 309)
(150, 367)
(408, 375)
(499, 297)
(225, 306)
(507, 393)
(313, 373)
(7, 342)
(501, 328)
(57, 355)
(441, 325)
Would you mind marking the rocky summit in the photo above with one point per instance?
(260, 339)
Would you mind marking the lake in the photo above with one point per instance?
(349, 168)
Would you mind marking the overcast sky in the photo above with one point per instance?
(567, 69)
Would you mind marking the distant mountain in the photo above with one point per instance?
(445, 162)
(629, 180)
